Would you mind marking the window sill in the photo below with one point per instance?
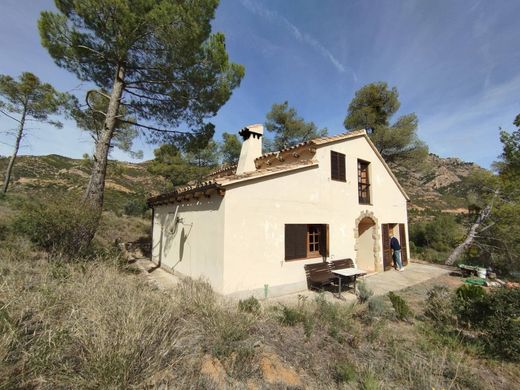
(305, 258)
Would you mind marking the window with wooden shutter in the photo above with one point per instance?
(324, 240)
(363, 182)
(295, 241)
(303, 241)
(337, 166)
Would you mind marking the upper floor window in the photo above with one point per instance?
(363, 182)
(337, 166)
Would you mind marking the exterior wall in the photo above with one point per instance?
(194, 246)
(257, 211)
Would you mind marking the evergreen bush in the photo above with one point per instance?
(249, 305)
(402, 310)
(363, 292)
(61, 227)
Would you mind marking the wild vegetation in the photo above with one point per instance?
(372, 109)
(74, 313)
(28, 100)
(96, 323)
(288, 128)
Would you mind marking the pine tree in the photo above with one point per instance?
(24, 100)
(157, 58)
(230, 148)
(372, 109)
(289, 129)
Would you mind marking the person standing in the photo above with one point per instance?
(396, 252)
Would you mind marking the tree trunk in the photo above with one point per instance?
(484, 213)
(15, 153)
(96, 186)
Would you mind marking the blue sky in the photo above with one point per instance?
(456, 64)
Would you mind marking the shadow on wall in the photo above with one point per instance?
(179, 224)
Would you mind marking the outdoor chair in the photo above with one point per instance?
(319, 275)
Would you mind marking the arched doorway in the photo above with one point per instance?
(367, 243)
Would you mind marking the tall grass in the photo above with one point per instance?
(91, 324)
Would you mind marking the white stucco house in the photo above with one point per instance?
(249, 229)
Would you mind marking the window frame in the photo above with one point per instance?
(313, 240)
(316, 237)
(363, 186)
(338, 162)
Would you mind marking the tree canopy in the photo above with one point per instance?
(372, 108)
(180, 167)
(91, 120)
(497, 241)
(156, 58)
(28, 99)
(174, 71)
(289, 129)
(230, 148)
(510, 157)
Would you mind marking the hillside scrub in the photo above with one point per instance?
(58, 226)
(94, 324)
(434, 240)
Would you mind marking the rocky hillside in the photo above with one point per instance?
(54, 173)
(438, 184)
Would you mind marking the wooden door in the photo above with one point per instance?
(404, 247)
(387, 251)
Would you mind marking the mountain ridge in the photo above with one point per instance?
(437, 184)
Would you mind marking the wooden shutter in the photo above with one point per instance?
(404, 247)
(295, 241)
(337, 166)
(324, 240)
(387, 251)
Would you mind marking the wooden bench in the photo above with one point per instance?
(342, 264)
(319, 275)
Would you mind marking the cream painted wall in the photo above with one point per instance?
(194, 246)
(257, 211)
(239, 248)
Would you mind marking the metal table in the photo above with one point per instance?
(355, 272)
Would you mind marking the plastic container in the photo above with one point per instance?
(481, 272)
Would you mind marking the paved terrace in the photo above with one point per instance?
(381, 283)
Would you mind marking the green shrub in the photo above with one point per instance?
(439, 307)
(499, 318)
(495, 314)
(291, 315)
(3, 231)
(345, 372)
(62, 226)
(59, 226)
(376, 306)
(308, 326)
(402, 310)
(369, 381)
(467, 304)
(135, 207)
(249, 305)
(363, 292)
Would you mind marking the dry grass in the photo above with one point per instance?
(95, 325)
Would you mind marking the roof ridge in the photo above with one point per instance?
(316, 141)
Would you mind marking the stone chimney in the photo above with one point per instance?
(251, 147)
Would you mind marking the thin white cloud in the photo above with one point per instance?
(489, 103)
(275, 17)
(470, 129)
